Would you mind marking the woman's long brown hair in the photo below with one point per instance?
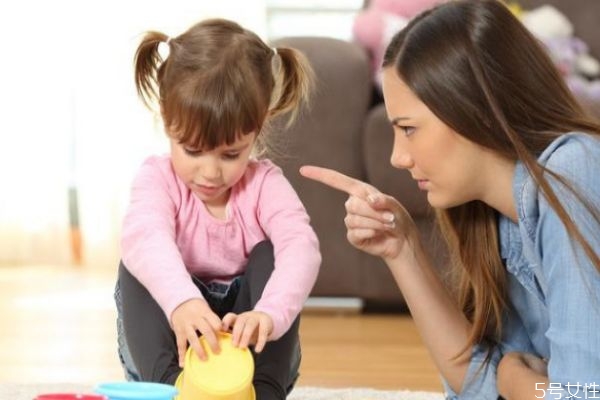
(483, 74)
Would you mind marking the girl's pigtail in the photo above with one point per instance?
(147, 62)
(294, 81)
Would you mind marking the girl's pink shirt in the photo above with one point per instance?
(169, 235)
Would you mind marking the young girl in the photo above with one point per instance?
(486, 126)
(214, 239)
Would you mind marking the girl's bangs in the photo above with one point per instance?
(206, 122)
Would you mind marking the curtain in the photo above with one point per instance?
(72, 131)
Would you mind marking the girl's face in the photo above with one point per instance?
(448, 166)
(211, 174)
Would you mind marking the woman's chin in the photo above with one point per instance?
(440, 202)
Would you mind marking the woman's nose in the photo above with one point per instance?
(401, 159)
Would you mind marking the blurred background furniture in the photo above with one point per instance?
(346, 129)
(341, 132)
(583, 14)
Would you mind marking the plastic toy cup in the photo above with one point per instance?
(136, 391)
(224, 376)
(69, 396)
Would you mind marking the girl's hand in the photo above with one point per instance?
(188, 319)
(376, 223)
(250, 327)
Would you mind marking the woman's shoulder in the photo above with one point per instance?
(575, 157)
(571, 152)
(569, 155)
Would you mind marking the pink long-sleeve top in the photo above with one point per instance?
(168, 235)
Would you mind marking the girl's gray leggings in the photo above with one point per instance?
(148, 342)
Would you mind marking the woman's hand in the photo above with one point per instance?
(250, 327)
(521, 375)
(376, 223)
(188, 319)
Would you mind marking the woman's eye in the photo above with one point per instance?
(408, 130)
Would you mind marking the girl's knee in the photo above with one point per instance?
(262, 253)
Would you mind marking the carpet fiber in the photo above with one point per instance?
(313, 393)
(28, 392)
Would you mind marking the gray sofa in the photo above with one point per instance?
(346, 129)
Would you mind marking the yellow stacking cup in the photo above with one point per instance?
(224, 376)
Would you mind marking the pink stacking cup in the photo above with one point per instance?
(69, 396)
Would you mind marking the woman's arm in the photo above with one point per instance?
(379, 225)
(443, 327)
(522, 376)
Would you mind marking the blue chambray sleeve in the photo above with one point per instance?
(571, 281)
(480, 382)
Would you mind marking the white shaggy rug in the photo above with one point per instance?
(28, 392)
(315, 393)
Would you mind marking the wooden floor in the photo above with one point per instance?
(58, 325)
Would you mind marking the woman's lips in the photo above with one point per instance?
(423, 184)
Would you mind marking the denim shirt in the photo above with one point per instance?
(553, 288)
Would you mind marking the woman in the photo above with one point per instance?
(484, 123)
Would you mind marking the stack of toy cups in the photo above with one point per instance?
(224, 376)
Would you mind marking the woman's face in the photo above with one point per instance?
(449, 167)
